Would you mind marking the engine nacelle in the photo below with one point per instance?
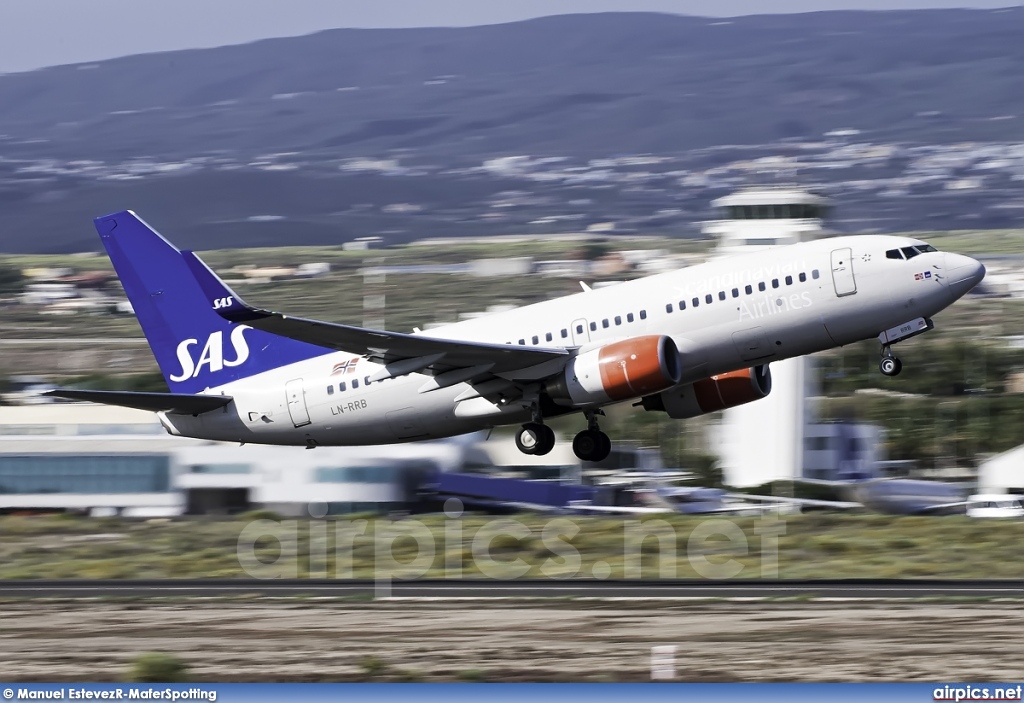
(725, 390)
(618, 371)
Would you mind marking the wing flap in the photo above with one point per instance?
(182, 403)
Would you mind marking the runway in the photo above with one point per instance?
(491, 589)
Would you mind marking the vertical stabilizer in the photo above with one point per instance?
(194, 346)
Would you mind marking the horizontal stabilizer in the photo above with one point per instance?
(182, 403)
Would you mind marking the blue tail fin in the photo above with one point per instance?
(194, 346)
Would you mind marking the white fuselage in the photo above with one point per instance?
(765, 306)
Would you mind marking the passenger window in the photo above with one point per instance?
(803, 277)
(341, 387)
(547, 337)
(643, 314)
(748, 290)
(355, 383)
(330, 390)
(894, 254)
(366, 380)
(721, 295)
(536, 339)
(708, 299)
(695, 302)
(579, 329)
(629, 317)
(522, 342)
(682, 304)
(593, 327)
(565, 333)
(760, 286)
(909, 252)
(789, 280)
(735, 292)
(775, 283)
(815, 274)
(604, 323)
(668, 307)
(618, 320)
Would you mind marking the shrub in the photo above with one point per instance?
(158, 667)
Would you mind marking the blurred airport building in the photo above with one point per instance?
(1003, 473)
(107, 460)
(765, 441)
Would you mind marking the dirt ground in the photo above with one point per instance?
(309, 640)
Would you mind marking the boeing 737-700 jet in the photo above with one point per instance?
(685, 343)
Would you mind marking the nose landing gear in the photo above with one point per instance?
(592, 444)
(890, 365)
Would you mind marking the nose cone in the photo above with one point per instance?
(963, 273)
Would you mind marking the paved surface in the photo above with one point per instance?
(485, 589)
(293, 640)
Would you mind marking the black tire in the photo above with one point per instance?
(586, 445)
(546, 441)
(890, 366)
(605, 447)
(530, 438)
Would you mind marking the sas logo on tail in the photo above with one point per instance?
(212, 355)
(223, 302)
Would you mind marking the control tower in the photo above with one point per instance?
(764, 440)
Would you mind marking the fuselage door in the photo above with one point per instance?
(842, 272)
(580, 332)
(297, 402)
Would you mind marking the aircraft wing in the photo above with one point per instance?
(420, 352)
(183, 403)
(943, 506)
(808, 502)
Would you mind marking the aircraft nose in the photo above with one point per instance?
(963, 273)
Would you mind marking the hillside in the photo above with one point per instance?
(440, 101)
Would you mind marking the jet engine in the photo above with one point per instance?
(726, 390)
(618, 371)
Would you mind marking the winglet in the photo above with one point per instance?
(224, 301)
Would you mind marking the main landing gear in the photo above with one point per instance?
(592, 444)
(536, 438)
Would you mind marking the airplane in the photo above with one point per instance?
(889, 495)
(686, 343)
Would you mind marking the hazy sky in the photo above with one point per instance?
(35, 33)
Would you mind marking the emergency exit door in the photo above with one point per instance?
(842, 272)
(297, 402)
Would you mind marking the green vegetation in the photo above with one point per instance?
(158, 667)
(810, 546)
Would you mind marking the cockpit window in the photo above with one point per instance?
(909, 252)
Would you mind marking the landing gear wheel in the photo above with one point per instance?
(890, 366)
(535, 439)
(592, 445)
